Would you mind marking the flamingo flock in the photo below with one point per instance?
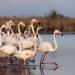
(24, 46)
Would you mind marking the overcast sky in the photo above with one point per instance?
(36, 7)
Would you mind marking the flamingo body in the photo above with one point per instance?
(25, 54)
(8, 49)
(46, 47)
(27, 44)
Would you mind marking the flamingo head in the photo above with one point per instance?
(39, 28)
(34, 20)
(58, 32)
(22, 23)
(10, 22)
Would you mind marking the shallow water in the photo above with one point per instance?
(64, 56)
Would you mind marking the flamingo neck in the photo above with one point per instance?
(32, 27)
(32, 22)
(19, 42)
(11, 29)
(19, 31)
(55, 43)
(37, 32)
(0, 39)
(29, 31)
(8, 33)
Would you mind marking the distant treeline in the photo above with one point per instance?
(51, 21)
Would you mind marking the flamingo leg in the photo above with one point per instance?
(42, 61)
(42, 72)
(11, 60)
(42, 58)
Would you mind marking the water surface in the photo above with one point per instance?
(64, 56)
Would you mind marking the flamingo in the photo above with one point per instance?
(25, 54)
(8, 49)
(47, 47)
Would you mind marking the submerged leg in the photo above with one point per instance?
(42, 59)
(42, 62)
(42, 71)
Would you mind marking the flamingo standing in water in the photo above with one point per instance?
(5, 49)
(25, 54)
(47, 47)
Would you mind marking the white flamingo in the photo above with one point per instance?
(8, 49)
(47, 47)
(5, 50)
(25, 54)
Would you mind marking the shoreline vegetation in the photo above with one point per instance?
(50, 21)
